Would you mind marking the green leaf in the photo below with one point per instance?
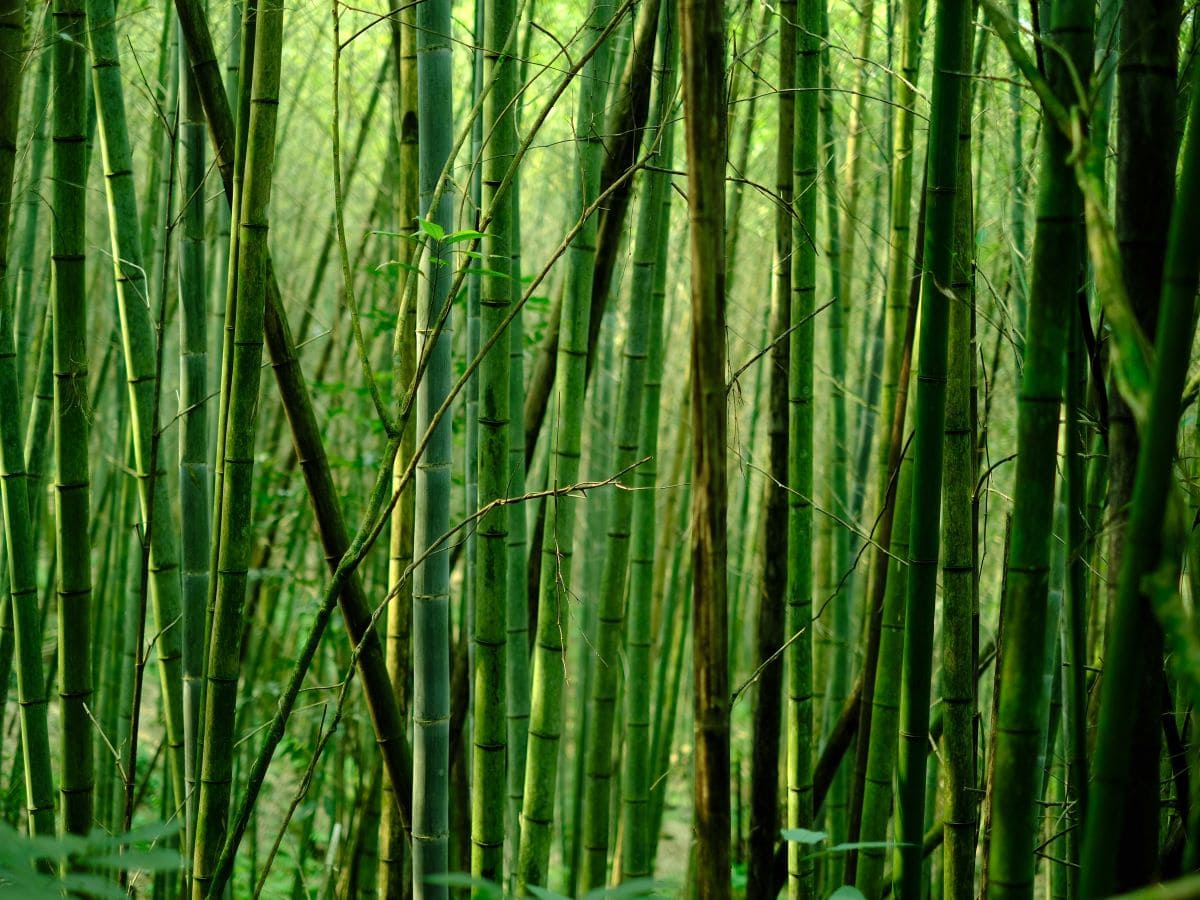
(803, 836)
(864, 845)
(638, 887)
(143, 834)
(856, 845)
(34, 889)
(464, 235)
(543, 894)
(160, 859)
(1130, 351)
(399, 234)
(431, 228)
(397, 264)
(90, 885)
(462, 880)
(847, 892)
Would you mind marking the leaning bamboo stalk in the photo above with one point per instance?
(306, 433)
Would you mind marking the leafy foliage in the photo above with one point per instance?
(36, 866)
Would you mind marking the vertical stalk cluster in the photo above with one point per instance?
(566, 420)
(1023, 695)
(951, 22)
(233, 544)
(650, 275)
(141, 373)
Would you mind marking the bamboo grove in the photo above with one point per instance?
(581, 448)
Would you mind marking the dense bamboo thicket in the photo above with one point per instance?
(579, 448)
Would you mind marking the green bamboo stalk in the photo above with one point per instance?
(1054, 284)
(141, 369)
(702, 45)
(799, 589)
(164, 91)
(959, 602)
(740, 146)
(8, 643)
(470, 458)
(838, 466)
(1145, 180)
(1075, 623)
(163, 185)
(850, 224)
(676, 639)
(219, 271)
(306, 434)
(952, 18)
(235, 537)
(899, 283)
(235, 191)
(545, 708)
(119, 685)
(650, 259)
(598, 752)
(1145, 540)
(391, 879)
(13, 56)
(109, 607)
(42, 408)
(768, 706)
(71, 413)
(1018, 281)
(366, 128)
(431, 579)
(20, 582)
(517, 614)
(885, 715)
(194, 501)
(28, 308)
(497, 292)
(582, 672)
